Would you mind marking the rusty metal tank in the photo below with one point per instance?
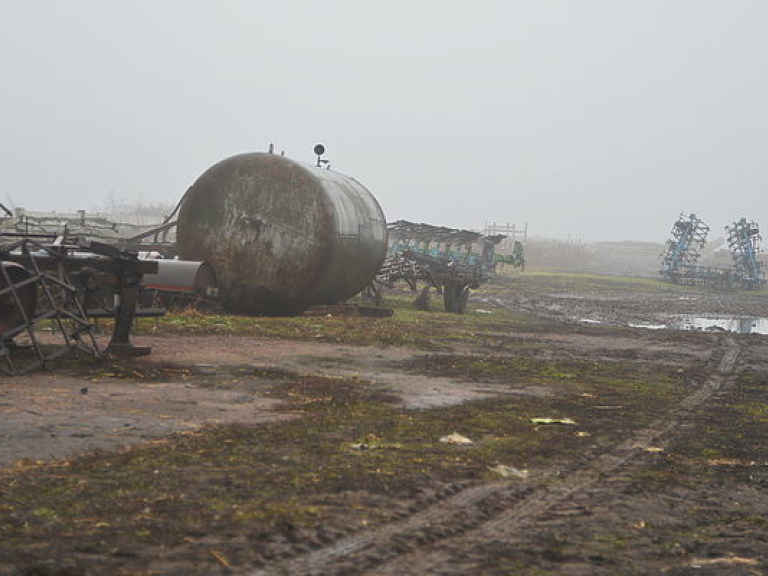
(281, 235)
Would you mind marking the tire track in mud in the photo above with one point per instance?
(500, 510)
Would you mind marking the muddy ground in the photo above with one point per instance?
(655, 462)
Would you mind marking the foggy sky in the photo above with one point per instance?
(598, 120)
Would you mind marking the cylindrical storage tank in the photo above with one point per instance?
(196, 278)
(281, 235)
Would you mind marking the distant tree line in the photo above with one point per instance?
(555, 255)
(640, 259)
(136, 211)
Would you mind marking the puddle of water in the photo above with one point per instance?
(739, 325)
(705, 323)
(649, 326)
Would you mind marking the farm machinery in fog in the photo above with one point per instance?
(450, 260)
(680, 259)
(261, 233)
(256, 233)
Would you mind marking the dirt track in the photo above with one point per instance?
(673, 488)
(463, 523)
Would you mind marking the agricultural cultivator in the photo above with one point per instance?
(744, 243)
(450, 260)
(683, 250)
(679, 261)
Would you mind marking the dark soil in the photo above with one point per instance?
(245, 455)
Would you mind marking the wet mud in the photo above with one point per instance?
(669, 482)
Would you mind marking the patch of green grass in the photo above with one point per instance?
(408, 327)
(614, 542)
(596, 284)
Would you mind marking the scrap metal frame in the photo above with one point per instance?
(57, 303)
(55, 271)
